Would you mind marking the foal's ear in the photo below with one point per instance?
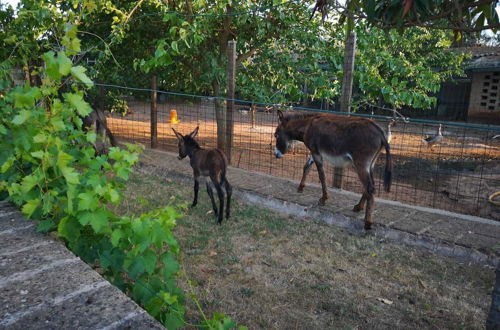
(281, 117)
(195, 132)
(177, 134)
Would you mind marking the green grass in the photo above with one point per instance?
(271, 271)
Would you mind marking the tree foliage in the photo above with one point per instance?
(283, 57)
(457, 15)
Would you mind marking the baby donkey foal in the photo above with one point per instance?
(211, 163)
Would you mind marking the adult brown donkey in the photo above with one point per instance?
(342, 141)
(209, 163)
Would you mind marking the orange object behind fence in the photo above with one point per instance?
(173, 117)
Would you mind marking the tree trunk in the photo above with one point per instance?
(231, 72)
(220, 109)
(220, 117)
(345, 101)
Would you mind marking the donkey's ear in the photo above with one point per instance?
(281, 117)
(195, 132)
(177, 134)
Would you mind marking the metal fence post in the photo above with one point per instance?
(231, 71)
(345, 99)
(154, 113)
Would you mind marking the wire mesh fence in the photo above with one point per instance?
(458, 173)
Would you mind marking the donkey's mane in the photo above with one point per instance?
(298, 115)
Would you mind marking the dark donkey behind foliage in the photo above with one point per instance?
(342, 141)
(211, 163)
(97, 119)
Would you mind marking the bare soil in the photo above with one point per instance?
(267, 271)
(457, 175)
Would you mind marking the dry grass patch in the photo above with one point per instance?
(268, 271)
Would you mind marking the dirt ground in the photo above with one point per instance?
(267, 271)
(457, 175)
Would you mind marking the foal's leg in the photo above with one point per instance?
(307, 168)
(211, 195)
(319, 165)
(220, 194)
(196, 187)
(229, 192)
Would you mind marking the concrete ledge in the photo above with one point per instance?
(45, 286)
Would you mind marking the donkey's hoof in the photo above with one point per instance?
(322, 201)
(300, 189)
(357, 208)
(194, 204)
(368, 226)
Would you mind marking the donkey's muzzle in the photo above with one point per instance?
(278, 153)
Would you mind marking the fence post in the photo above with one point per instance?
(102, 95)
(231, 73)
(154, 112)
(254, 115)
(345, 99)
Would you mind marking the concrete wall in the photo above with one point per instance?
(485, 93)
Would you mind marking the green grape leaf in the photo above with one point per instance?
(98, 219)
(69, 228)
(30, 207)
(116, 236)
(20, 118)
(78, 72)
(78, 103)
(46, 225)
(27, 99)
(87, 201)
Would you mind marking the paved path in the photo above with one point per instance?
(45, 286)
(470, 237)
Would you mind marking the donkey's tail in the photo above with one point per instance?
(224, 168)
(388, 165)
(388, 159)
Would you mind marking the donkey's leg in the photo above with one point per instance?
(307, 168)
(229, 192)
(319, 165)
(367, 181)
(211, 195)
(361, 205)
(220, 194)
(196, 187)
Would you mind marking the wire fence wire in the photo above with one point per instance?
(458, 174)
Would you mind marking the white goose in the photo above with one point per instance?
(432, 140)
(389, 132)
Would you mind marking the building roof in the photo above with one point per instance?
(484, 58)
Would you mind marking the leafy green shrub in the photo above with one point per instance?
(116, 104)
(49, 168)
